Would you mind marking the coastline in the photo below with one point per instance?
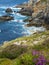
(28, 40)
(24, 47)
(32, 49)
(27, 30)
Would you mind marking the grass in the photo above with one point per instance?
(11, 54)
(29, 39)
(5, 61)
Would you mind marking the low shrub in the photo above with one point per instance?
(12, 51)
(5, 62)
(26, 59)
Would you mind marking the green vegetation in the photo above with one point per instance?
(12, 51)
(27, 50)
(26, 59)
(5, 61)
(35, 48)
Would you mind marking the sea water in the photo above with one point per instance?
(10, 30)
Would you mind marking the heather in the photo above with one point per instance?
(33, 47)
(30, 54)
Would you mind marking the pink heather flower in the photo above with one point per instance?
(41, 60)
(35, 52)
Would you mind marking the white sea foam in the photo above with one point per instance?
(31, 30)
(15, 8)
(20, 15)
(40, 29)
(3, 11)
(16, 20)
(13, 13)
(13, 21)
(21, 20)
(3, 7)
(0, 30)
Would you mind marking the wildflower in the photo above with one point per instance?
(35, 52)
(41, 60)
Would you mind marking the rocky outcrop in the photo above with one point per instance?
(8, 10)
(40, 19)
(36, 20)
(36, 23)
(26, 11)
(6, 18)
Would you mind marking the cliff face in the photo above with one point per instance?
(30, 2)
(33, 2)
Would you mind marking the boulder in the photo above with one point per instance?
(8, 10)
(6, 18)
(26, 11)
(36, 22)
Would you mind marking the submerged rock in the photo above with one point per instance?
(8, 10)
(28, 19)
(6, 18)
